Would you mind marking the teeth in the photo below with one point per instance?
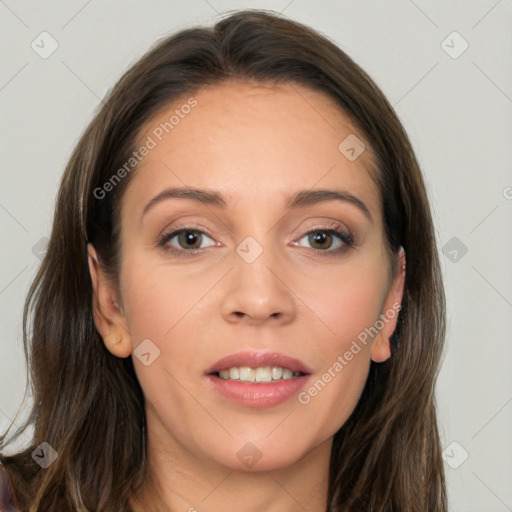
(247, 374)
(287, 374)
(260, 374)
(277, 372)
(263, 374)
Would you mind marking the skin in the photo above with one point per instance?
(254, 144)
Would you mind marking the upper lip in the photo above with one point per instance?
(254, 359)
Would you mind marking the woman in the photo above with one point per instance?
(283, 360)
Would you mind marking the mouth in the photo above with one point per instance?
(258, 374)
(252, 366)
(257, 379)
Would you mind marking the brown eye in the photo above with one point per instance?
(328, 240)
(320, 238)
(187, 240)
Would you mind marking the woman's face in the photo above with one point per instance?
(268, 278)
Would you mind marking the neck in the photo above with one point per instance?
(178, 481)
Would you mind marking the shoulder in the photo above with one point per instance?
(8, 501)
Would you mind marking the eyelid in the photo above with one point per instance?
(338, 229)
(164, 239)
(315, 225)
(326, 225)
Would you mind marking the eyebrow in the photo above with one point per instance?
(299, 199)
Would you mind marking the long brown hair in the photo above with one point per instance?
(88, 404)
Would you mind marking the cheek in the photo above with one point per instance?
(168, 308)
(157, 300)
(332, 395)
(159, 306)
(347, 302)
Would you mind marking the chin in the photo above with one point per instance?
(256, 456)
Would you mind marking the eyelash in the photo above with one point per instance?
(332, 229)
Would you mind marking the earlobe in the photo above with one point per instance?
(381, 350)
(381, 347)
(118, 344)
(108, 315)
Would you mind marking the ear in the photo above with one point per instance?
(108, 315)
(381, 347)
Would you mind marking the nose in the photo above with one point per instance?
(259, 291)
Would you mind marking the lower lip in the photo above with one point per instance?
(256, 394)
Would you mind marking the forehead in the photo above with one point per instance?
(256, 142)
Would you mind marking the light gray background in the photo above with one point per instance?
(457, 112)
